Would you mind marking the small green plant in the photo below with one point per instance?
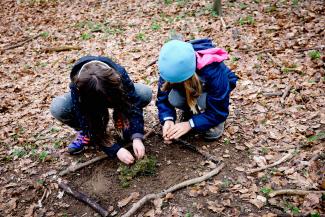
(42, 156)
(318, 136)
(249, 20)
(288, 206)
(168, 2)
(155, 26)
(234, 59)
(86, 36)
(295, 3)
(314, 214)
(188, 214)
(19, 152)
(45, 34)
(225, 183)
(144, 167)
(266, 191)
(226, 141)
(265, 150)
(264, 178)
(290, 68)
(57, 144)
(140, 36)
(314, 54)
(243, 6)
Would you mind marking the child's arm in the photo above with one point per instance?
(165, 110)
(217, 101)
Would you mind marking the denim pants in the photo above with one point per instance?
(178, 100)
(62, 107)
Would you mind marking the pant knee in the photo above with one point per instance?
(144, 92)
(176, 99)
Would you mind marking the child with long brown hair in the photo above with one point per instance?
(194, 79)
(98, 83)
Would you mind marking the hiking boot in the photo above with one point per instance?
(78, 145)
(215, 132)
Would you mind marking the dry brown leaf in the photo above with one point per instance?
(125, 201)
(215, 206)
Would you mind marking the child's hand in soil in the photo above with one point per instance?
(178, 130)
(125, 156)
(138, 148)
(168, 125)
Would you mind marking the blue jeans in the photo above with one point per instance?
(62, 107)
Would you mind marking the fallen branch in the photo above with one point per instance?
(271, 94)
(94, 160)
(285, 94)
(283, 159)
(82, 165)
(192, 147)
(149, 197)
(62, 48)
(84, 198)
(294, 192)
(20, 43)
(273, 50)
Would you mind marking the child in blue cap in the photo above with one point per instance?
(98, 83)
(193, 78)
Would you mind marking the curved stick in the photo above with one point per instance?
(149, 197)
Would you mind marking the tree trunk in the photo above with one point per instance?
(217, 7)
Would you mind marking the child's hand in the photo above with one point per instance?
(138, 148)
(168, 125)
(125, 156)
(178, 130)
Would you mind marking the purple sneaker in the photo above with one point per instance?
(78, 145)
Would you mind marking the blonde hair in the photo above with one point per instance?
(193, 89)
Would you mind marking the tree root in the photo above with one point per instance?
(294, 192)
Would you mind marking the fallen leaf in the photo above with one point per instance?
(125, 201)
(215, 207)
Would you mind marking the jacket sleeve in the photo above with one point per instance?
(217, 101)
(165, 110)
(136, 115)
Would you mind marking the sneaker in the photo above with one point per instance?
(214, 133)
(78, 145)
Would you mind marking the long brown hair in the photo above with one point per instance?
(193, 89)
(100, 87)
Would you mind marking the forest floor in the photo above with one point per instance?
(278, 106)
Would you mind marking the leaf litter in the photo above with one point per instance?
(265, 40)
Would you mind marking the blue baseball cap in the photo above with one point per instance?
(177, 61)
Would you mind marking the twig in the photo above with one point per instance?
(94, 160)
(293, 192)
(82, 165)
(273, 50)
(20, 43)
(176, 187)
(223, 23)
(285, 94)
(271, 94)
(84, 198)
(62, 48)
(284, 158)
(192, 147)
(151, 63)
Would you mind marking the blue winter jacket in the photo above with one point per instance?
(217, 81)
(136, 114)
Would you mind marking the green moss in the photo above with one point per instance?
(144, 167)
